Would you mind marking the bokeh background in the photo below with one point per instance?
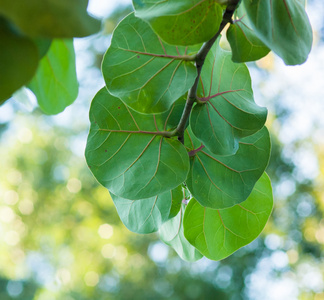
(61, 237)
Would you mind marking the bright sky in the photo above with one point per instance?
(101, 9)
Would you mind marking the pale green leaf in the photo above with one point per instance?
(219, 233)
(245, 44)
(147, 215)
(18, 60)
(283, 26)
(172, 234)
(222, 181)
(147, 74)
(50, 18)
(227, 111)
(128, 152)
(55, 83)
(181, 22)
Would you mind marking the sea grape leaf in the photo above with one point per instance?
(181, 22)
(283, 26)
(177, 197)
(18, 60)
(219, 182)
(171, 233)
(127, 152)
(50, 18)
(245, 44)
(145, 73)
(146, 215)
(219, 233)
(228, 111)
(55, 83)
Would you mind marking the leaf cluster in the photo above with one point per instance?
(37, 49)
(175, 134)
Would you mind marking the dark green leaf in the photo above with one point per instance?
(50, 18)
(171, 233)
(245, 44)
(222, 181)
(147, 74)
(147, 215)
(128, 152)
(18, 60)
(219, 233)
(283, 26)
(55, 83)
(43, 46)
(181, 22)
(228, 112)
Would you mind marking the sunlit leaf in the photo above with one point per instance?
(181, 22)
(228, 112)
(146, 215)
(55, 83)
(222, 181)
(283, 26)
(177, 197)
(245, 44)
(147, 74)
(18, 60)
(128, 152)
(50, 18)
(172, 234)
(219, 233)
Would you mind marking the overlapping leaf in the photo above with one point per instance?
(245, 44)
(55, 83)
(127, 152)
(147, 74)
(219, 233)
(172, 234)
(222, 181)
(283, 26)
(18, 60)
(228, 111)
(147, 215)
(50, 18)
(181, 22)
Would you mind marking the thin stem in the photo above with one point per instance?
(200, 60)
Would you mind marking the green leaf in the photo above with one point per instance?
(181, 22)
(129, 153)
(55, 83)
(228, 111)
(172, 234)
(219, 233)
(147, 74)
(43, 46)
(18, 60)
(50, 18)
(283, 26)
(146, 215)
(177, 197)
(222, 181)
(245, 44)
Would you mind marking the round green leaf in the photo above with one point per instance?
(129, 153)
(55, 83)
(147, 215)
(245, 44)
(18, 60)
(219, 233)
(50, 18)
(228, 111)
(222, 181)
(181, 22)
(283, 26)
(147, 74)
(172, 234)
